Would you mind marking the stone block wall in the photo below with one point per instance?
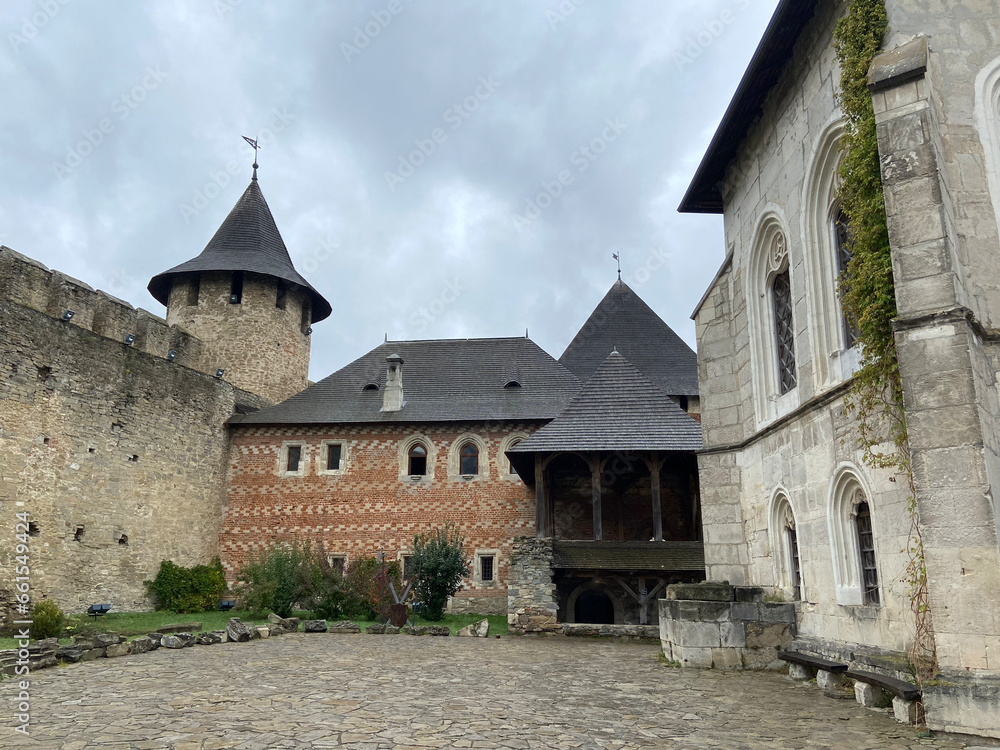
(118, 454)
(369, 505)
(532, 603)
(722, 633)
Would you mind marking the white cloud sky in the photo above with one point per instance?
(175, 84)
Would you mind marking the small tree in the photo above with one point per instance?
(278, 579)
(440, 562)
(367, 588)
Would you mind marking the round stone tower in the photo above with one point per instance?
(244, 300)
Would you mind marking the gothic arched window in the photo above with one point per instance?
(417, 460)
(842, 235)
(866, 547)
(784, 330)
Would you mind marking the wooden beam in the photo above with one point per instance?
(654, 473)
(595, 482)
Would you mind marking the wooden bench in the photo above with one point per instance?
(905, 690)
(812, 662)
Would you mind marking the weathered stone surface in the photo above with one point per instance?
(799, 672)
(479, 629)
(344, 627)
(871, 696)
(68, 654)
(156, 638)
(709, 591)
(142, 644)
(173, 641)
(180, 627)
(239, 631)
(280, 625)
(103, 640)
(905, 712)
(391, 630)
(617, 632)
(532, 603)
(829, 681)
(118, 649)
(207, 639)
(314, 626)
(263, 631)
(375, 629)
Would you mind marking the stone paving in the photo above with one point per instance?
(404, 692)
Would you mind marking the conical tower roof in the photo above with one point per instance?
(248, 240)
(623, 322)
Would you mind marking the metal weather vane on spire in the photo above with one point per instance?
(253, 142)
(615, 256)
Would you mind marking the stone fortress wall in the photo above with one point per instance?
(118, 452)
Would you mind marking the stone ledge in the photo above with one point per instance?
(905, 63)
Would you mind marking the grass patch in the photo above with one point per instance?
(132, 624)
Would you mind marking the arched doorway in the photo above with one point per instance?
(594, 607)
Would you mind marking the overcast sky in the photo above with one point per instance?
(437, 169)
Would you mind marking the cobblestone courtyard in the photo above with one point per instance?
(395, 692)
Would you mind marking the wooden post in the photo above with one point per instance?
(541, 507)
(654, 473)
(595, 482)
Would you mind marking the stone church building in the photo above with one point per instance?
(788, 502)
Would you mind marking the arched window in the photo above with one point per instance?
(469, 459)
(784, 330)
(988, 124)
(842, 237)
(866, 547)
(513, 471)
(417, 460)
(771, 310)
(852, 540)
(785, 545)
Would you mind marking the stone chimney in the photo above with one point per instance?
(392, 396)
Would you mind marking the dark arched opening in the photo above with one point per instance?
(594, 607)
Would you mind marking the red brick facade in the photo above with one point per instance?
(371, 503)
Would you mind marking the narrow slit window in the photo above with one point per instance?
(418, 460)
(510, 466)
(784, 331)
(469, 459)
(194, 287)
(487, 568)
(294, 460)
(795, 567)
(281, 296)
(866, 546)
(333, 454)
(306, 315)
(236, 289)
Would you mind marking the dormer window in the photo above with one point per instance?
(370, 387)
(512, 384)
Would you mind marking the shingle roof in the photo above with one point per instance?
(443, 381)
(624, 322)
(629, 555)
(773, 53)
(618, 409)
(248, 240)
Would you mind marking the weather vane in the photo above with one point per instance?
(253, 143)
(615, 256)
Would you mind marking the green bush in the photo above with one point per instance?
(440, 561)
(281, 578)
(47, 620)
(325, 589)
(367, 588)
(183, 590)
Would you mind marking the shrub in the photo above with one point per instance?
(47, 620)
(282, 577)
(440, 562)
(325, 586)
(183, 590)
(367, 588)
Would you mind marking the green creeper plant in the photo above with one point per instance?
(868, 296)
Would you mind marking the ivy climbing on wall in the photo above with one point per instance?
(869, 300)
